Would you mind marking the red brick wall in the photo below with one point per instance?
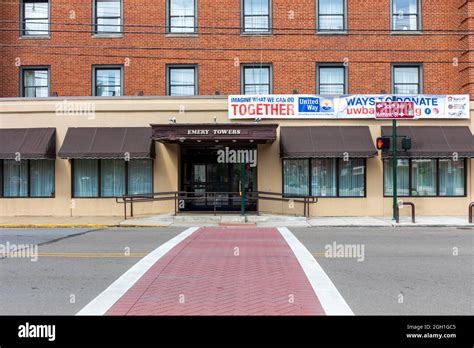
(294, 57)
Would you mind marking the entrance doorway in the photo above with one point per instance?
(211, 185)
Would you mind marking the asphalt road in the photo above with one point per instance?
(405, 271)
(402, 271)
(70, 272)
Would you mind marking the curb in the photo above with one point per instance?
(77, 226)
(58, 225)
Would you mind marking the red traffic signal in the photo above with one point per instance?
(383, 143)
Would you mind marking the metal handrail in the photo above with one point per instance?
(471, 206)
(183, 195)
(412, 205)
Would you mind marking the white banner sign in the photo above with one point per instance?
(344, 107)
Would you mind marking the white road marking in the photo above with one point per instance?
(102, 303)
(332, 301)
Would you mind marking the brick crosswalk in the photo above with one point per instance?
(223, 271)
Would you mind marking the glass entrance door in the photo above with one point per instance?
(209, 185)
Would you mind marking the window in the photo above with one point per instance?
(256, 16)
(452, 176)
(182, 81)
(331, 15)
(407, 79)
(111, 177)
(35, 18)
(331, 80)
(296, 177)
(256, 79)
(108, 81)
(403, 177)
(423, 177)
(27, 178)
(108, 17)
(406, 15)
(426, 178)
(352, 178)
(323, 178)
(35, 82)
(140, 177)
(182, 16)
(327, 178)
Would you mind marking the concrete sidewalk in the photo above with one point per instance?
(265, 220)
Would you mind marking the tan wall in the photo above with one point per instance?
(141, 112)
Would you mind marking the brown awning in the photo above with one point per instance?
(215, 132)
(29, 143)
(90, 143)
(326, 142)
(434, 141)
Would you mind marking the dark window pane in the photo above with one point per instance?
(86, 180)
(15, 178)
(296, 177)
(140, 177)
(42, 178)
(352, 178)
(112, 178)
(423, 177)
(403, 177)
(451, 176)
(323, 177)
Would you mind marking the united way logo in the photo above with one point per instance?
(315, 105)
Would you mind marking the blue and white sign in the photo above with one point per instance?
(343, 107)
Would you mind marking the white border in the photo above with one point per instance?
(332, 301)
(102, 303)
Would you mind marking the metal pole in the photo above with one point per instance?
(394, 165)
(243, 188)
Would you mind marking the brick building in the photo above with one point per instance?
(368, 37)
(83, 81)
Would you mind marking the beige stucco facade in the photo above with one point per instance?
(141, 112)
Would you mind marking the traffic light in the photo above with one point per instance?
(406, 144)
(383, 143)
